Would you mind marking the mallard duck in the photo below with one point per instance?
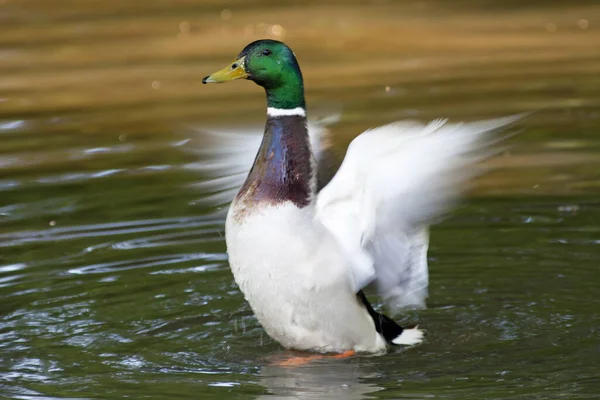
(302, 256)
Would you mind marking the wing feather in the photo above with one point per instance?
(394, 181)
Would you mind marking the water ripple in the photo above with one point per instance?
(141, 263)
(107, 229)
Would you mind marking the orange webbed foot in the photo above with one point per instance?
(296, 361)
(345, 354)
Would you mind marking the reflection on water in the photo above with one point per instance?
(321, 380)
(113, 273)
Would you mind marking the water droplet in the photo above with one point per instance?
(277, 30)
(226, 14)
(184, 26)
(583, 23)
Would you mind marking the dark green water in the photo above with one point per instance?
(114, 280)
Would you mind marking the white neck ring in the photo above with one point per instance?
(282, 112)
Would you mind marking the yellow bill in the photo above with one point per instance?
(230, 73)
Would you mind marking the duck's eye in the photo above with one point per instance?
(266, 52)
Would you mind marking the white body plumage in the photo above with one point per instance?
(295, 277)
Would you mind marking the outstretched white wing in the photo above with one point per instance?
(392, 183)
(228, 155)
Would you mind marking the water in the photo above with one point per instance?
(113, 275)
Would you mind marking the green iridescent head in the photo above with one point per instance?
(272, 65)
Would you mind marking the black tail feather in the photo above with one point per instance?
(384, 325)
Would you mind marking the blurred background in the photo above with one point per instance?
(113, 274)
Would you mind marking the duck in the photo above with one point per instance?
(303, 253)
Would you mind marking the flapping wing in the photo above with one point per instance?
(227, 156)
(394, 181)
